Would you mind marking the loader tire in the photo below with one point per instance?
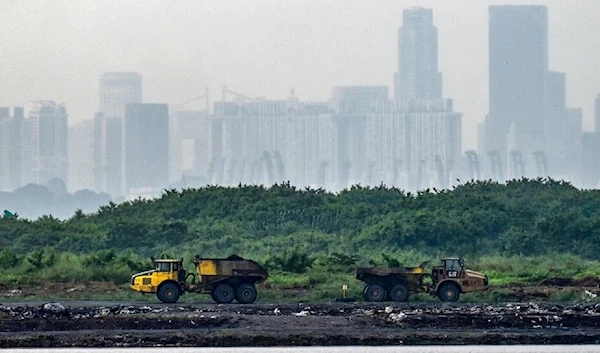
(374, 293)
(246, 294)
(398, 293)
(224, 293)
(448, 292)
(168, 293)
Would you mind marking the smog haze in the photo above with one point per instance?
(58, 50)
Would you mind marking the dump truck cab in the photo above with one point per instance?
(452, 278)
(167, 280)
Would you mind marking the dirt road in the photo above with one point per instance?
(105, 324)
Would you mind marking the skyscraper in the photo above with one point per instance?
(518, 66)
(418, 75)
(189, 144)
(146, 148)
(431, 130)
(47, 141)
(81, 155)
(117, 89)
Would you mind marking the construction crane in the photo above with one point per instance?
(205, 96)
(496, 165)
(541, 163)
(517, 163)
(473, 164)
(240, 97)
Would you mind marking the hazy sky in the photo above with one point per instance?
(57, 50)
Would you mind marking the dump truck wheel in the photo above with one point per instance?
(246, 294)
(449, 292)
(398, 293)
(223, 294)
(374, 293)
(168, 293)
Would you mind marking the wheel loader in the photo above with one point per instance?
(446, 281)
(224, 279)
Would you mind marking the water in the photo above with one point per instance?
(422, 349)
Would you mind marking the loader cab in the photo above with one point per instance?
(169, 269)
(449, 268)
(454, 267)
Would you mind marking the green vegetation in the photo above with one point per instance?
(312, 240)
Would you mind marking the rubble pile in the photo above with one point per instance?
(476, 316)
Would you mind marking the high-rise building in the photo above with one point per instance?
(518, 66)
(81, 156)
(418, 75)
(117, 89)
(356, 99)
(146, 149)
(11, 148)
(575, 142)
(189, 144)
(424, 150)
(47, 141)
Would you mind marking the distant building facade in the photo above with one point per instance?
(117, 89)
(45, 135)
(189, 145)
(81, 156)
(146, 149)
(518, 69)
(11, 168)
(417, 75)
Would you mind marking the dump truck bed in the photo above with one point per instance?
(231, 266)
(386, 271)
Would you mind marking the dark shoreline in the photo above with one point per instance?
(261, 325)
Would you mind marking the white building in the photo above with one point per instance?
(45, 142)
(81, 156)
(117, 89)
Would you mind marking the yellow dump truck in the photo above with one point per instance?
(224, 279)
(447, 281)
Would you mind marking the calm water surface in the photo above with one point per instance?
(429, 349)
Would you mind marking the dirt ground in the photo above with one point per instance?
(75, 322)
(103, 324)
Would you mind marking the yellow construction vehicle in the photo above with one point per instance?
(224, 279)
(446, 281)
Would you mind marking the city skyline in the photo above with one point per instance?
(408, 135)
(175, 75)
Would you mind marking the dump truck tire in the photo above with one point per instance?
(168, 293)
(448, 292)
(398, 293)
(374, 293)
(246, 294)
(224, 293)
